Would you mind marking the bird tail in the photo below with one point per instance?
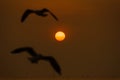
(33, 60)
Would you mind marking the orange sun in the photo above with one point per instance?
(60, 36)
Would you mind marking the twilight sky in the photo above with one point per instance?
(91, 47)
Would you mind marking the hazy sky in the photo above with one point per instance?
(91, 47)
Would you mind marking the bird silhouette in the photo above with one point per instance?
(36, 57)
(37, 12)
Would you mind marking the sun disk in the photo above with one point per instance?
(60, 36)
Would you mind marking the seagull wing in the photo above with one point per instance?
(26, 14)
(53, 16)
(54, 64)
(46, 10)
(28, 49)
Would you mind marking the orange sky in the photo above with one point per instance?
(91, 47)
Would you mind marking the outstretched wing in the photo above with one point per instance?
(54, 64)
(53, 16)
(46, 10)
(28, 49)
(26, 14)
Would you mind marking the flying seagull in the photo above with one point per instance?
(41, 12)
(36, 57)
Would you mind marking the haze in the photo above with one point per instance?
(91, 47)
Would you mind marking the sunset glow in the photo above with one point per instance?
(60, 36)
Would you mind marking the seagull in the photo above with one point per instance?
(36, 57)
(41, 12)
